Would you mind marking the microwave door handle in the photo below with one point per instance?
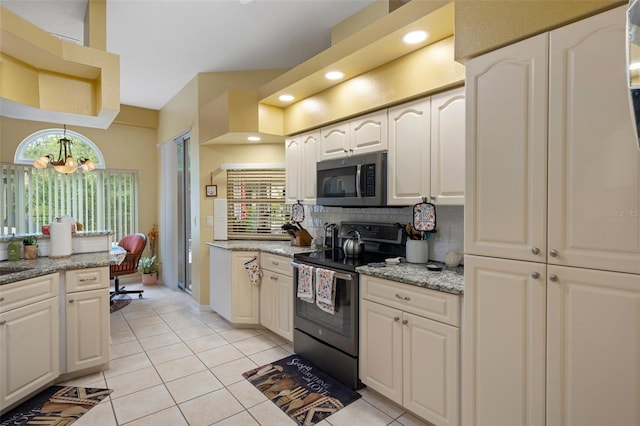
(358, 181)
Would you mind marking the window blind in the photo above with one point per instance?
(256, 204)
(100, 200)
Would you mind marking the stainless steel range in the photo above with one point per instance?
(331, 340)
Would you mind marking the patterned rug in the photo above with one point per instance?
(300, 389)
(120, 302)
(56, 405)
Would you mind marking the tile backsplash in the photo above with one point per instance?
(450, 223)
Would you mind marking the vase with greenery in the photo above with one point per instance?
(148, 267)
(30, 244)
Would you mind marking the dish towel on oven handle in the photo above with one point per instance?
(305, 283)
(325, 290)
(255, 273)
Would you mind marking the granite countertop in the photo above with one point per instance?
(449, 280)
(25, 269)
(40, 236)
(282, 248)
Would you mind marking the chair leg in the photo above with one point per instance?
(121, 290)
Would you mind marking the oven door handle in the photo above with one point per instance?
(338, 275)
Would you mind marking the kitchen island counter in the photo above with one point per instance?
(24, 269)
(281, 248)
(449, 280)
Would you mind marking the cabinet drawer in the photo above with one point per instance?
(28, 291)
(86, 279)
(443, 307)
(275, 263)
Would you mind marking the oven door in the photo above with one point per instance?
(340, 329)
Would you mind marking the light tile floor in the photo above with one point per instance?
(173, 365)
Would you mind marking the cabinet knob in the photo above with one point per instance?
(1, 299)
(405, 322)
(396, 319)
(535, 250)
(553, 253)
(3, 322)
(403, 297)
(535, 275)
(274, 278)
(553, 278)
(71, 300)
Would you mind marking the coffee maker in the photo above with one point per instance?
(330, 235)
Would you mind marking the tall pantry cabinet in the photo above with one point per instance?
(552, 232)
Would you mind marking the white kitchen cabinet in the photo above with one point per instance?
(506, 157)
(364, 134)
(594, 169)
(301, 153)
(448, 147)
(579, 212)
(276, 294)
(409, 157)
(504, 340)
(29, 337)
(407, 353)
(592, 345)
(427, 150)
(87, 318)
(232, 295)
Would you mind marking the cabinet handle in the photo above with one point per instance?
(553, 278)
(71, 300)
(403, 297)
(535, 275)
(396, 319)
(84, 280)
(405, 322)
(3, 322)
(535, 250)
(273, 262)
(553, 253)
(1, 299)
(274, 278)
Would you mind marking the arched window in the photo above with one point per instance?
(101, 200)
(46, 142)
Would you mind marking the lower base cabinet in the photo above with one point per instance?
(406, 355)
(276, 295)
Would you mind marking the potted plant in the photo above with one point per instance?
(30, 243)
(148, 267)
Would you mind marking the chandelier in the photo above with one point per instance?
(65, 162)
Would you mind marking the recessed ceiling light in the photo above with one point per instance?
(253, 138)
(414, 37)
(334, 75)
(286, 98)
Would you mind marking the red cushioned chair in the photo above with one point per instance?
(134, 244)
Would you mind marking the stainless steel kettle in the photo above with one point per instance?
(353, 247)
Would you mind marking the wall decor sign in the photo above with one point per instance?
(211, 190)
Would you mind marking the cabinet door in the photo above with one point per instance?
(447, 147)
(283, 306)
(594, 166)
(29, 349)
(292, 169)
(369, 133)
(381, 349)
(506, 151)
(307, 171)
(87, 316)
(593, 339)
(431, 364)
(267, 300)
(334, 141)
(409, 177)
(245, 297)
(503, 364)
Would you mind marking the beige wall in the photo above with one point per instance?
(123, 147)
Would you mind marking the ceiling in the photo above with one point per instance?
(163, 44)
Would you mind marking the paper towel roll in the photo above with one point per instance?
(61, 239)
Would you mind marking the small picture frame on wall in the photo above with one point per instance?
(211, 190)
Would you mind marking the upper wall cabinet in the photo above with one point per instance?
(426, 150)
(301, 154)
(361, 135)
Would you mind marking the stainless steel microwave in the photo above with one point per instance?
(357, 181)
